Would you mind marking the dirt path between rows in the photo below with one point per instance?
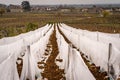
(51, 70)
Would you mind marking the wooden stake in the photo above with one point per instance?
(69, 52)
(109, 55)
(79, 43)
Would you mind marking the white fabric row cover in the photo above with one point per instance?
(97, 51)
(89, 47)
(10, 52)
(63, 51)
(32, 56)
(29, 66)
(75, 68)
(18, 46)
(8, 40)
(115, 35)
(98, 36)
(8, 70)
(38, 48)
(36, 35)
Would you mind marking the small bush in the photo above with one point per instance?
(105, 13)
(2, 11)
(31, 26)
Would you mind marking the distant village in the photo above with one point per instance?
(63, 8)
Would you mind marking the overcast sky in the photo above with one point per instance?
(62, 1)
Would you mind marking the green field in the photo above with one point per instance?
(12, 24)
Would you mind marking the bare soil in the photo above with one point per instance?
(51, 70)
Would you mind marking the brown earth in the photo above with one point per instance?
(51, 70)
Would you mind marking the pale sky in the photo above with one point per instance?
(62, 1)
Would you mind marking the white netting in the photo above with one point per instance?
(30, 68)
(8, 40)
(33, 55)
(63, 51)
(77, 68)
(8, 70)
(98, 36)
(13, 47)
(74, 66)
(38, 48)
(96, 46)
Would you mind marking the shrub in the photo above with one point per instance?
(105, 13)
(31, 26)
(2, 11)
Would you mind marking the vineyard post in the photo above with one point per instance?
(71, 30)
(97, 36)
(69, 52)
(28, 48)
(109, 55)
(60, 40)
(28, 59)
(42, 33)
(79, 42)
(83, 32)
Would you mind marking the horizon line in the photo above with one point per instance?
(68, 4)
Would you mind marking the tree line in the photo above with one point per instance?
(25, 6)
